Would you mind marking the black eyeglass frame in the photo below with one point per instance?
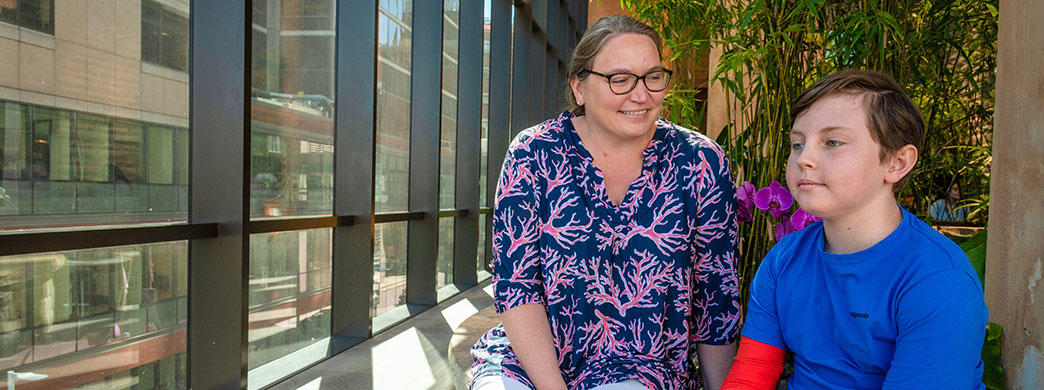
(609, 77)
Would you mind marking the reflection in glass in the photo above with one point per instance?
(389, 266)
(448, 144)
(170, 372)
(484, 141)
(444, 263)
(93, 131)
(289, 292)
(292, 104)
(129, 299)
(480, 261)
(61, 167)
(164, 36)
(393, 105)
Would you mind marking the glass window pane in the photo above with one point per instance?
(401, 10)
(55, 308)
(393, 106)
(33, 14)
(292, 105)
(389, 266)
(289, 294)
(164, 35)
(480, 261)
(484, 142)
(444, 264)
(448, 144)
(104, 138)
(128, 160)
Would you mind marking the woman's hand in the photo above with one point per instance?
(529, 332)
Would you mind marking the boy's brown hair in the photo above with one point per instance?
(893, 119)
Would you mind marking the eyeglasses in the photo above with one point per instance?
(622, 83)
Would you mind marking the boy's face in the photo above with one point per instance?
(835, 167)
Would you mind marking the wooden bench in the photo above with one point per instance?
(464, 337)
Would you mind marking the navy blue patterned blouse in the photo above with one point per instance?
(629, 289)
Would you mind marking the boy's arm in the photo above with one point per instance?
(757, 366)
(942, 324)
(759, 361)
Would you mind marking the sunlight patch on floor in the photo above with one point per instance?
(313, 385)
(458, 312)
(399, 363)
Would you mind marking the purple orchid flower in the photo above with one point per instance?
(775, 199)
(783, 229)
(745, 200)
(801, 219)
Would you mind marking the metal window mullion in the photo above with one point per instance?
(581, 19)
(537, 96)
(218, 193)
(354, 127)
(520, 81)
(539, 9)
(552, 88)
(552, 32)
(469, 134)
(425, 137)
(498, 110)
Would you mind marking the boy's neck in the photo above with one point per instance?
(862, 229)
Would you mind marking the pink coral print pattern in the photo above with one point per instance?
(629, 289)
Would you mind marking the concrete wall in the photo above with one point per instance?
(1014, 288)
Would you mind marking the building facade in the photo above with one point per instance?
(115, 144)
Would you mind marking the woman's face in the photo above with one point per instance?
(631, 115)
(955, 192)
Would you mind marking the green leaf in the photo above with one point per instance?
(993, 371)
(993, 331)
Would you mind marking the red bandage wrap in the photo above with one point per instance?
(757, 366)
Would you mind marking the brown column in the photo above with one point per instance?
(598, 9)
(717, 112)
(1014, 287)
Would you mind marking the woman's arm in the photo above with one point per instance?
(529, 332)
(715, 361)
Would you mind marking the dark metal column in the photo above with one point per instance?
(552, 89)
(354, 172)
(426, 94)
(539, 9)
(537, 94)
(469, 134)
(218, 193)
(499, 108)
(520, 66)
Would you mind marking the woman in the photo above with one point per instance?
(613, 236)
(945, 208)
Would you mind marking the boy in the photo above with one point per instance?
(871, 297)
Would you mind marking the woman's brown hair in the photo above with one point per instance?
(591, 43)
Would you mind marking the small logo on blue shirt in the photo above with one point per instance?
(859, 315)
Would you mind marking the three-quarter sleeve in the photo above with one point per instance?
(716, 307)
(517, 276)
